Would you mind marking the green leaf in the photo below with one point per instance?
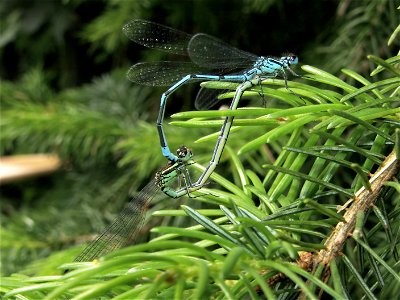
(231, 261)
(370, 87)
(385, 64)
(276, 133)
(379, 260)
(359, 278)
(309, 178)
(211, 226)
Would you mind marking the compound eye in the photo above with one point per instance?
(293, 59)
(183, 152)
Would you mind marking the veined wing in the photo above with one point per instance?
(207, 98)
(208, 51)
(156, 36)
(204, 50)
(125, 227)
(163, 73)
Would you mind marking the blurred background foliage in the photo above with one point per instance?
(64, 91)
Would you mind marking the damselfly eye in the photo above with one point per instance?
(293, 59)
(183, 152)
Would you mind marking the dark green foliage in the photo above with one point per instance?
(272, 202)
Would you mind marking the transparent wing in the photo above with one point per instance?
(203, 49)
(124, 228)
(208, 51)
(156, 36)
(164, 73)
(207, 98)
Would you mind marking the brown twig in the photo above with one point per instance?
(363, 200)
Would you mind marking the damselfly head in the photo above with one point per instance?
(290, 59)
(184, 153)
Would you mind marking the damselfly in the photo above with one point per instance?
(129, 222)
(211, 60)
